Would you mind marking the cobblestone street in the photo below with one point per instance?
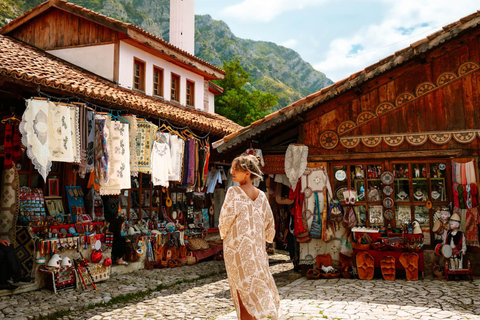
(202, 292)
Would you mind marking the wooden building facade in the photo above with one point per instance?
(414, 114)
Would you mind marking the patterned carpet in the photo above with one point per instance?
(25, 249)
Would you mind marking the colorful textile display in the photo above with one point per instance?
(101, 150)
(9, 204)
(12, 145)
(60, 133)
(133, 133)
(90, 140)
(25, 250)
(191, 162)
(34, 130)
(146, 132)
(117, 135)
(177, 148)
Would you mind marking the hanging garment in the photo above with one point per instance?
(245, 225)
(186, 156)
(146, 132)
(34, 130)
(8, 147)
(83, 140)
(471, 227)
(75, 122)
(207, 160)
(101, 149)
(90, 140)
(60, 133)
(177, 148)
(213, 177)
(257, 153)
(9, 204)
(315, 180)
(133, 135)
(161, 164)
(295, 163)
(119, 159)
(191, 162)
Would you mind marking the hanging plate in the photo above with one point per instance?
(387, 190)
(387, 177)
(388, 202)
(307, 192)
(389, 214)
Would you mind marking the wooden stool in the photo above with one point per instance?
(365, 265)
(409, 261)
(387, 265)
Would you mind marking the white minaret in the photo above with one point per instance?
(182, 24)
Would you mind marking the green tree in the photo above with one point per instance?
(237, 103)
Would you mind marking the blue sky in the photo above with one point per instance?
(337, 37)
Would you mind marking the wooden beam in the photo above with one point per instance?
(116, 61)
(283, 137)
(24, 19)
(388, 155)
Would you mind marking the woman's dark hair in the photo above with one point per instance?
(116, 225)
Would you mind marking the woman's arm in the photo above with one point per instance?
(269, 223)
(227, 214)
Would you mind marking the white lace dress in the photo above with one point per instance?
(245, 225)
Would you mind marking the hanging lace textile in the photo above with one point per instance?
(75, 132)
(119, 160)
(161, 164)
(60, 133)
(133, 134)
(34, 130)
(295, 163)
(177, 148)
(146, 132)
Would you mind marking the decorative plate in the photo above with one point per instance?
(388, 202)
(340, 175)
(442, 166)
(387, 190)
(59, 218)
(307, 192)
(339, 193)
(389, 214)
(170, 227)
(387, 177)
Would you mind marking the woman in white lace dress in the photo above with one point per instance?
(246, 223)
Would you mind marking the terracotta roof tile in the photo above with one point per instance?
(449, 31)
(29, 64)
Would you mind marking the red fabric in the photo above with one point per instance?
(473, 192)
(202, 254)
(17, 144)
(8, 147)
(299, 226)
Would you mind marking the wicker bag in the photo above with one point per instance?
(190, 258)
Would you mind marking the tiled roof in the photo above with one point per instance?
(28, 64)
(109, 22)
(447, 33)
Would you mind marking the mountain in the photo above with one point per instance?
(274, 68)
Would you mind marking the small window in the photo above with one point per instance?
(190, 93)
(175, 92)
(138, 75)
(157, 82)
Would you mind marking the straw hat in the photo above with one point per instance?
(455, 217)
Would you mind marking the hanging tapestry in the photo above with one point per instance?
(191, 163)
(101, 150)
(34, 130)
(90, 140)
(60, 133)
(295, 163)
(12, 146)
(83, 140)
(75, 126)
(146, 132)
(9, 203)
(119, 159)
(25, 250)
(133, 144)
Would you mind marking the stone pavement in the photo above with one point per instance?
(201, 292)
(378, 299)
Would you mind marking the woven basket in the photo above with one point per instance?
(313, 274)
(330, 275)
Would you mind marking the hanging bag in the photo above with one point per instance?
(316, 229)
(349, 219)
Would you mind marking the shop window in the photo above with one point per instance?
(175, 88)
(190, 93)
(143, 200)
(138, 75)
(365, 180)
(157, 82)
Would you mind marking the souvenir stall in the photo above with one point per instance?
(399, 144)
(69, 170)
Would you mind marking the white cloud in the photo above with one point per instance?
(266, 10)
(404, 23)
(290, 43)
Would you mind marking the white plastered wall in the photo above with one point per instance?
(127, 55)
(98, 59)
